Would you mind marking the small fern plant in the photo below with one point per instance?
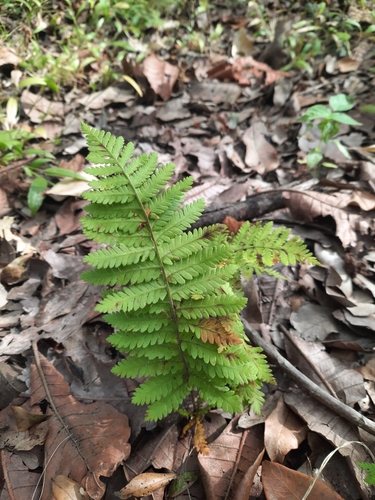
(173, 294)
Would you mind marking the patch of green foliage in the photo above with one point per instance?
(370, 469)
(174, 294)
(329, 118)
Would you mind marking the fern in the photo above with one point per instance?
(173, 299)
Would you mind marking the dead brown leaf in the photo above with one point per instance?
(40, 109)
(283, 431)
(102, 98)
(243, 67)
(260, 156)
(8, 56)
(92, 439)
(161, 76)
(24, 419)
(308, 205)
(219, 471)
(20, 482)
(335, 429)
(347, 64)
(363, 199)
(281, 483)
(4, 204)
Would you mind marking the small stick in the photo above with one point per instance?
(302, 381)
(291, 339)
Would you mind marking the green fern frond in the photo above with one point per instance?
(173, 302)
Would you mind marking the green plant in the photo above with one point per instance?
(174, 297)
(328, 123)
(370, 469)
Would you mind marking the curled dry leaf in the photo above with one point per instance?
(16, 271)
(24, 419)
(145, 484)
(161, 76)
(64, 488)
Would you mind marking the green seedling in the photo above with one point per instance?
(328, 119)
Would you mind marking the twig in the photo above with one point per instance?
(302, 381)
(292, 340)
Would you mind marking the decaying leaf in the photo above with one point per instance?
(64, 488)
(215, 331)
(260, 156)
(91, 438)
(279, 482)
(145, 484)
(284, 431)
(161, 76)
(24, 419)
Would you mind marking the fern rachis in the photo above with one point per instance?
(173, 301)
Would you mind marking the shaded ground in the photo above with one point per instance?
(231, 118)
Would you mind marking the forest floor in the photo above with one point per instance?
(221, 96)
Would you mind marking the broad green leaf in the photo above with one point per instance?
(313, 158)
(38, 162)
(329, 129)
(341, 102)
(35, 195)
(64, 172)
(343, 149)
(317, 111)
(39, 152)
(344, 118)
(33, 80)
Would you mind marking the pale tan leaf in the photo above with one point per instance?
(145, 484)
(24, 419)
(64, 488)
(102, 98)
(8, 56)
(242, 45)
(260, 156)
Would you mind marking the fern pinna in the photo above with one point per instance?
(172, 299)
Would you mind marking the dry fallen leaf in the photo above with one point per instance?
(7, 56)
(283, 431)
(347, 64)
(64, 488)
(145, 484)
(260, 156)
(24, 419)
(161, 76)
(281, 483)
